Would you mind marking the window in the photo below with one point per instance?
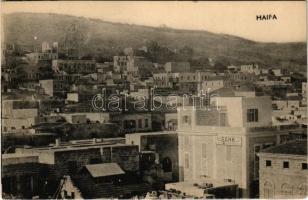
(268, 190)
(167, 164)
(186, 119)
(228, 153)
(129, 124)
(186, 141)
(252, 115)
(302, 190)
(203, 150)
(268, 163)
(286, 189)
(186, 161)
(65, 194)
(285, 164)
(139, 123)
(146, 123)
(222, 119)
(304, 165)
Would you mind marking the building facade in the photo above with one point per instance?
(221, 143)
(74, 66)
(18, 114)
(283, 171)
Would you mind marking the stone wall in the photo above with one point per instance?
(277, 182)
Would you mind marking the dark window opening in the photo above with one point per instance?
(252, 115)
(139, 123)
(129, 124)
(268, 163)
(304, 165)
(146, 123)
(285, 164)
(167, 164)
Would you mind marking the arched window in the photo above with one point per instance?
(286, 189)
(167, 164)
(302, 190)
(268, 190)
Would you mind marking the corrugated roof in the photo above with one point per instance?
(104, 169)
(297, 147)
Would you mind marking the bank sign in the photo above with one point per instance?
(229, 140)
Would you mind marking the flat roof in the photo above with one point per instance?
(297, 147)
(104, 169)
(18, 158)
(75, 147)
(18, 155)
(154, 133)
(197, 188)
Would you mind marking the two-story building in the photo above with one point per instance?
(177, 67)
(252, 68)
(18, 114)
(284, 171)
(130, 64)
(220, 142)
(74, 66)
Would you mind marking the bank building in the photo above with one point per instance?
(218, 145)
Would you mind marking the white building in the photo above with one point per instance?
(253, 68)
(214, 83)
(220, 143)
(18, 114)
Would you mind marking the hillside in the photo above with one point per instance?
(108, 38)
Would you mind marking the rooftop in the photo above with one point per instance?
(197, 189)
(17, 155)
(78, 145)
(298, 147)
(154, 133)
(104, 169)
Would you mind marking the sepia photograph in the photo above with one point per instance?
(154, 100)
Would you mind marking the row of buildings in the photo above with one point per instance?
(240, 132)
(215, 148)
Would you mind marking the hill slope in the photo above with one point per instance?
(109, 38)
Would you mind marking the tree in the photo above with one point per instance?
(186, 54)
(219, 67)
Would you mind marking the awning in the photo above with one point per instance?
(104, 169)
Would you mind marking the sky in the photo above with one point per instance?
(234, 18)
